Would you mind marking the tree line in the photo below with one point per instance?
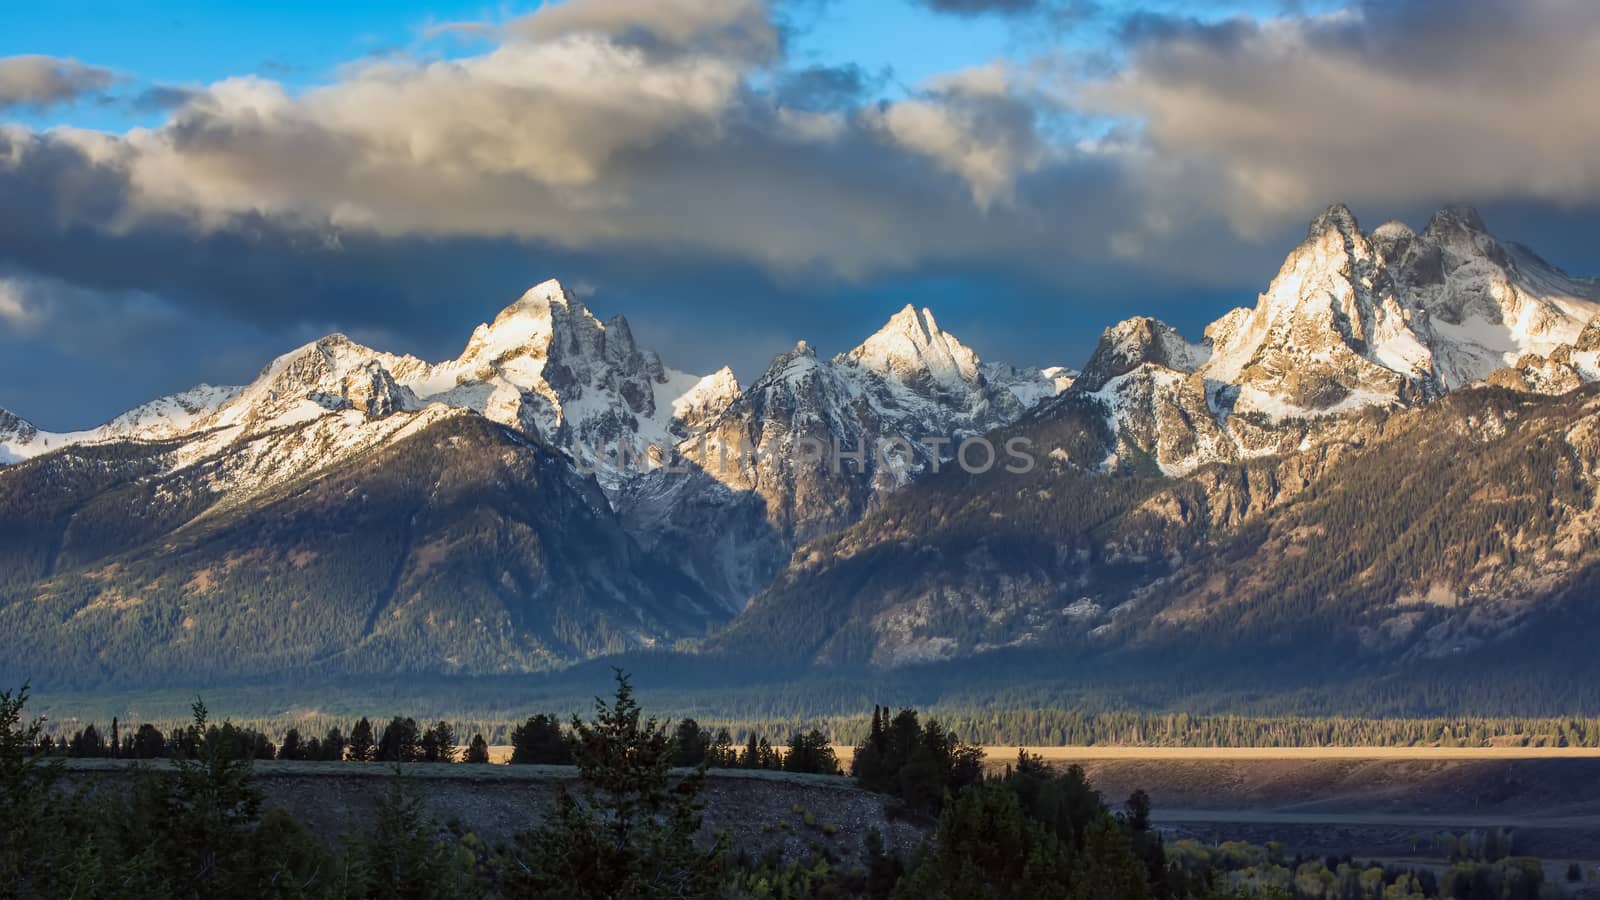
(541, 740)
(632, 829)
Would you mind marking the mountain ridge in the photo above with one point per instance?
(818, 516)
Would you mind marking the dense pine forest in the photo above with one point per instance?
(197, 827)
(733, 742)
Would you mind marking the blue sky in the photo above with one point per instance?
(733, 175)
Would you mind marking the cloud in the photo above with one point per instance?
(974, 124)
(1381, 102)
(594, 124)
(736, 29)
(19, 313)
(163, 97)
(44, 81)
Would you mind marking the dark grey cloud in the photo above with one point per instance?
(43, 81)
(828, 88)
(163, 98)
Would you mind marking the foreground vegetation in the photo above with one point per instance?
(197, 827)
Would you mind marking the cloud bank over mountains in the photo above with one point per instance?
(594, 130)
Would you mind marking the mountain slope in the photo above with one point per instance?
(454, 545)
(1363, 547)
(1318, 473)
(315, 519)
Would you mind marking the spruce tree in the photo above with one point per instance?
(539, 741)
(333, 745)
(29, 841)
(723, 754)
(631, 835)
(401, 741)
(362, 746)
(291, 748)
(692, 744)
(478, 752)
(212, 806)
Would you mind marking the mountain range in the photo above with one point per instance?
(1390, 458)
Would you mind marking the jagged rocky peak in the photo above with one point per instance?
(791, 364)
(530, 324)
(330, 374)
(1329, 333)
(327, 365)
(1134, 342)
(550, 344)
(14, 427)
(709, 398)
(911, 348)
(1456, 218)
(1335, 219)
(1392, 239)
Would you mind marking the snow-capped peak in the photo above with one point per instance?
(18, 437)
(1134, 342)
(170, 416)
(528, 324)
(911, 348)
(1351, 320)
(1336, 218)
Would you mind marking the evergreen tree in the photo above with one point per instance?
(868, 765)
(402, 859)
(29, 844)
(811, 752)
(148, 743)
(212, 805)
(539, 741)
(292, 748)
(478, 753)
(439, 743)
(692, 744)
(986, 847)
(87, 743)
(401, 741)
(333, 744)
(632, 833)
(723, 754)
(362, 746)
